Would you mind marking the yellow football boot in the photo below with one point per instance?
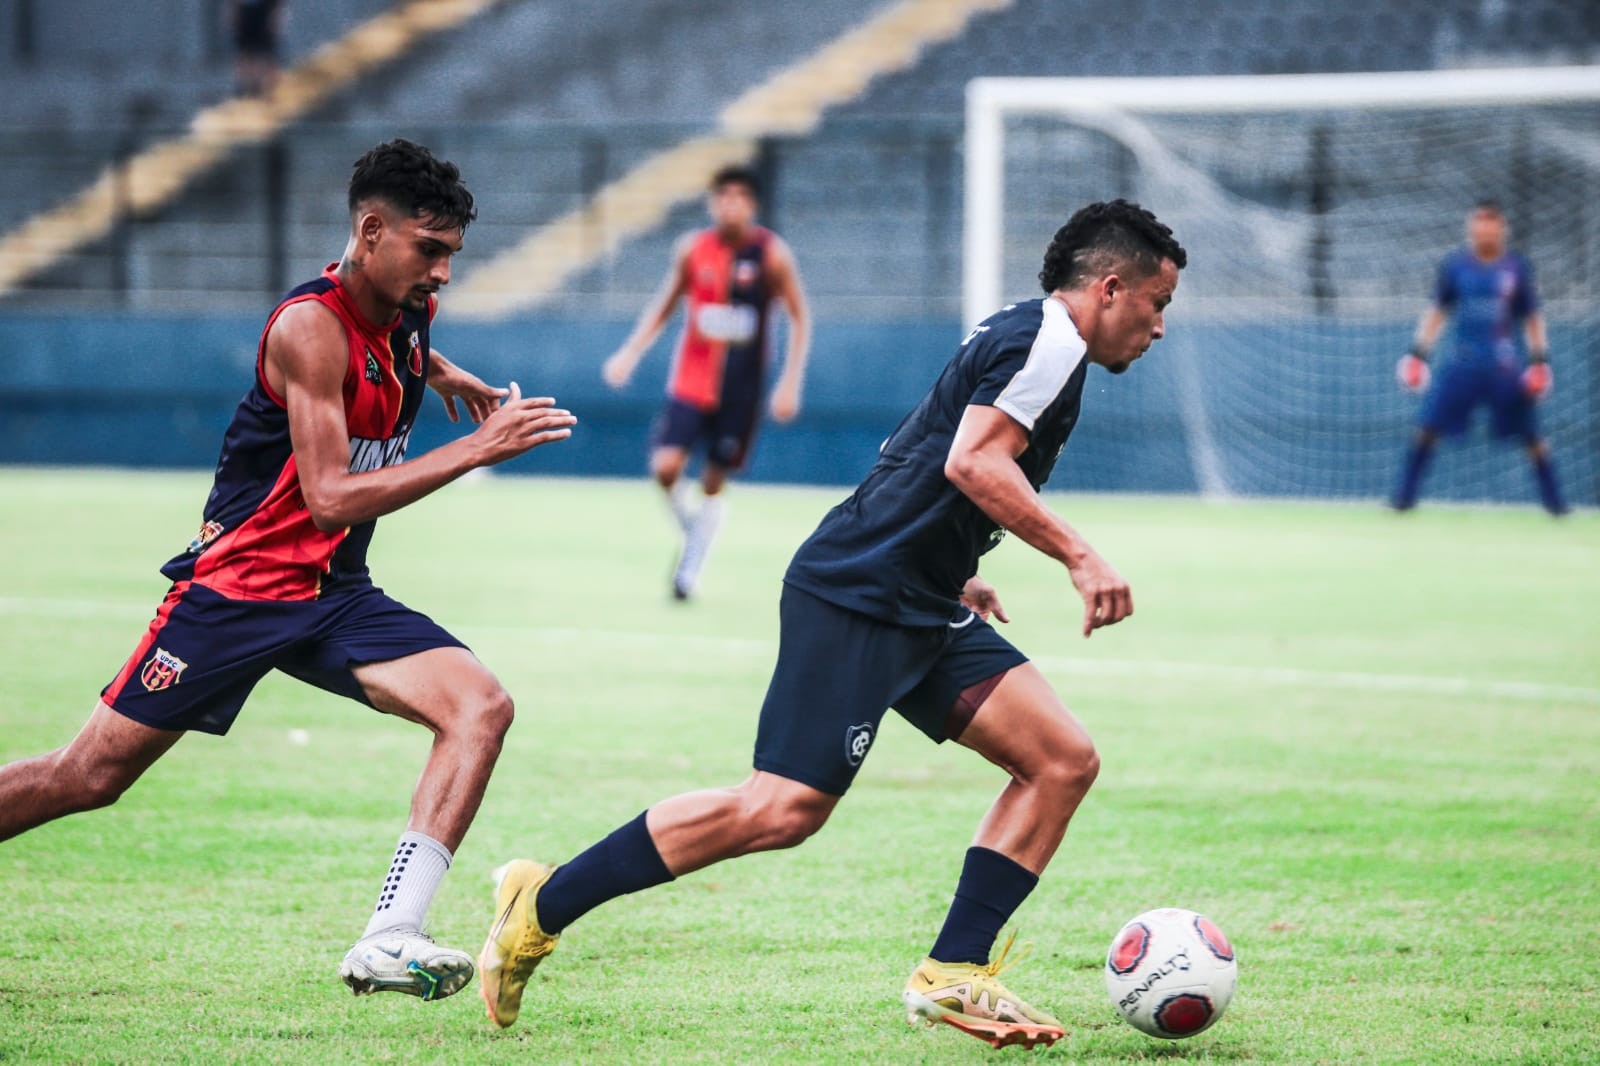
(516, 944)
(970, 997)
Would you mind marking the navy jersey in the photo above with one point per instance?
(1487, 300)
(904, 544)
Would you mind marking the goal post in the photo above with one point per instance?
(990, 101)
(1315, 209)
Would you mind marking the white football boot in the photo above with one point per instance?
(405, 960)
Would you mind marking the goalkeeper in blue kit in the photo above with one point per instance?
(1490, 291)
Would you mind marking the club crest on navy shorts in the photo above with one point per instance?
(162, 670)
(857, 739)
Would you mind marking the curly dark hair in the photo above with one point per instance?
(737, 174)
(1100, 238)
(411, 178)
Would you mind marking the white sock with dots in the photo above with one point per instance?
(419, 865)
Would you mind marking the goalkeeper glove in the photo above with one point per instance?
(1412, 372)
(1536, 380)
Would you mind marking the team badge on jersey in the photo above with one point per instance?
(374, 371)
(208, 533)
(415, 358)
(745, 272)
(163, 670)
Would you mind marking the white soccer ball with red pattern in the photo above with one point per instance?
(1170, 973)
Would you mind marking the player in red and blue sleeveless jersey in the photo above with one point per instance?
(277, 576)
(882, 607)
(730, 274)
(1490, 291)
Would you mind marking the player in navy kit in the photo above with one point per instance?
(277, 576)
(882, 607)
(730, 274)
(1490, 292)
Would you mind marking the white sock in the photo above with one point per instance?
(698, 544)
(419, 865)
(678, 501)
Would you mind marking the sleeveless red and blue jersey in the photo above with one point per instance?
(257, 540)
(723, 350)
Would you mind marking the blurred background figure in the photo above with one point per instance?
(731, 273)
(256, 26)
(1490, 291)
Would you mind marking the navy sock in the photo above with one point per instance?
(1405, 494)
(626, 861)
(991, 888)
(1544, 471)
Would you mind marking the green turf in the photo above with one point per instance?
(1312, 730)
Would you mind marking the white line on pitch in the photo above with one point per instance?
(1169, 670)
(1288, 677)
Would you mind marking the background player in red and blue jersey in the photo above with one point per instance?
(1490, 292)
(882, 607)
(277, 576)
(730, 273)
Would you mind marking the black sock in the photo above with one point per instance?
(1544, 472)
(626, 861)
(991, 888)
(1416, 464)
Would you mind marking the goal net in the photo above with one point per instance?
(1315, 210)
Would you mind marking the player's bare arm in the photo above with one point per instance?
(1412, 370)
(619, 368)
(785, 275)
(305, 364)
(982, 464)
(453, 383)
(1536, 377)
(1429, 326)
(1533, 332)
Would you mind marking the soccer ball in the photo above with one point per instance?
(1170, 973)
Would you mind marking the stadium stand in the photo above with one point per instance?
(549, 106)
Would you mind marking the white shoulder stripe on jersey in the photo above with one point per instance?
(1057, 350)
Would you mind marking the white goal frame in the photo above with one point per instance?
(991, 100)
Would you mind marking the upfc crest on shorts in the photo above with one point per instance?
(162, 671)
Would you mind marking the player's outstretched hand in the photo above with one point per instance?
(1536, 380)
(520, 424)
(1412, 372)
(983, 600)
(785, 403)
(617, 370)
(452, 383)
(1107, 599)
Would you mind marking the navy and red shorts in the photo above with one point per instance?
(839, 671)
(204, 652)
(727, 432)
(1460, 385)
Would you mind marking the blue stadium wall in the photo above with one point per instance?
(156, 391)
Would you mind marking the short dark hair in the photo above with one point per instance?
(737, 174)
(411, 178)
(1101, 237)
(1489, 207)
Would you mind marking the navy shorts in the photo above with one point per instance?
(1460, 386)
(726, 432)
(204, 652)
(838, 672)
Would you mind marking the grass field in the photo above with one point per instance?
(1368, 746)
